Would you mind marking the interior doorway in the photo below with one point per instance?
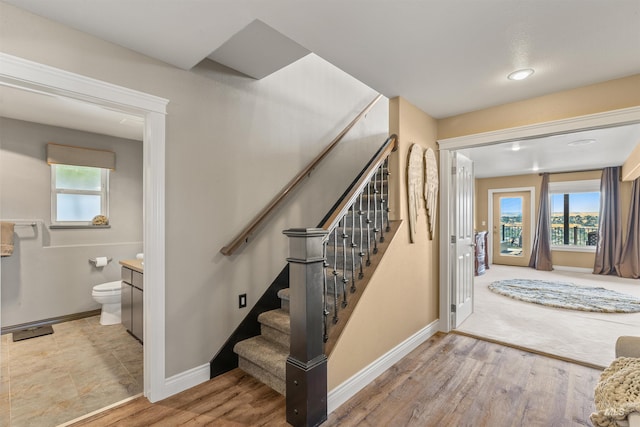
(534, 131)
(24, 74)
(511, 228)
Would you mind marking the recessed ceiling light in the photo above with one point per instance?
(581, 142)
(521, 74)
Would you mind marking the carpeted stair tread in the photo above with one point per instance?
(265, 354)
(276, 319)
(265, 377)
(283, 294)
(276, 336)
(275, 326)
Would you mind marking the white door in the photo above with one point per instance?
(463, 243)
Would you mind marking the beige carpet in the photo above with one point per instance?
(582, 336)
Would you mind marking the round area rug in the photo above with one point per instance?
(567, 295)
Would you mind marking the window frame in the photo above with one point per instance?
(571, 187)
(103, 193)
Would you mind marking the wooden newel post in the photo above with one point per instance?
(306, 382)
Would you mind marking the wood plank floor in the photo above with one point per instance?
(450, 380)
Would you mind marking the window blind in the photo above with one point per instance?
(80, 156)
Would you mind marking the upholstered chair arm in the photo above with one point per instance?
(628, 347)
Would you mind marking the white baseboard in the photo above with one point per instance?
(573, 269)
(353, 385)
(185, 380)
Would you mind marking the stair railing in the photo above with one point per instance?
(306, 369)
(355, 225)
(247, 233)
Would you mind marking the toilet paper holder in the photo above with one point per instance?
(94, 261)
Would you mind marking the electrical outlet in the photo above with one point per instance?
(242, 300)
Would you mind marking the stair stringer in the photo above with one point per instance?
(389, 311)
(335, 330)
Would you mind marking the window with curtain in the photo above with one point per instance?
(78, 194)
(79, 184)
(574, 214)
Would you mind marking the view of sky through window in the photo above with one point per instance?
(578, 202)
(510, 205)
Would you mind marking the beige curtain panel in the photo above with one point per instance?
(541, 250)
(80, 156)
(609, 244)
(629, 265)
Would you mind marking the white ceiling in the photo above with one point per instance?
(68, 113)
(585, 150)
(445, 56)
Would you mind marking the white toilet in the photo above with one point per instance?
(108, 294)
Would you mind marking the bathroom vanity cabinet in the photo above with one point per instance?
(132, 292)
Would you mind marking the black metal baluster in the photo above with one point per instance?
(345, 236)
(353, 247)
(382, 201)
(335, 275)
(368, 221)
(375, 212)
(387, 210)
(361, 253)
(325, 294)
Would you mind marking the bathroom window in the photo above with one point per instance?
(78, 194)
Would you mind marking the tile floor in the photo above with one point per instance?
(83, 366)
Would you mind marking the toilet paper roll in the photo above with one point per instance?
(101, 261)
(139, 256)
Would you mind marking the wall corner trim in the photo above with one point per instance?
(357, 382)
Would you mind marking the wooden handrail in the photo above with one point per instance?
(245, 234)
(347, 199)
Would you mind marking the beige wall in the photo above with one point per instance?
(597, 98)
(559, 258)
(402, 297)
(231, 144)
(48, 274)
(631, 167)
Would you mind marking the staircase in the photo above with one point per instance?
(265, 356)
(352, 248)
